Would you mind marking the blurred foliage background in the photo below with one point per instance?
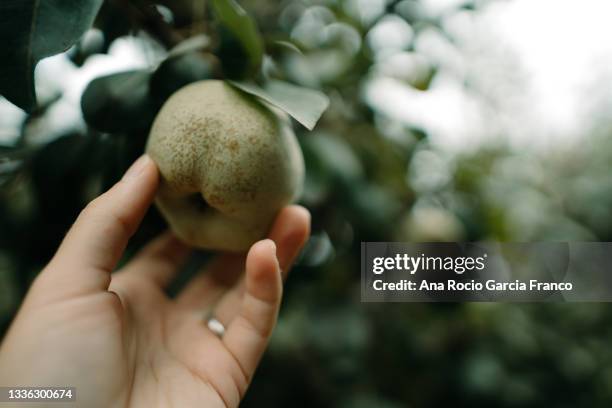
(374, 172)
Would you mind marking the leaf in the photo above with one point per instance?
(196, 43)
(302, 104)
(114, 22)
(31, 30)
(178, 71)
(245, 32)
(287, 45)
(92, 42)
(119, 102)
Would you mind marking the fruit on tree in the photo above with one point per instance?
(228, 164)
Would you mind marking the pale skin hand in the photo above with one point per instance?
(119, 339)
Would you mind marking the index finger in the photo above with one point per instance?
(96, 241)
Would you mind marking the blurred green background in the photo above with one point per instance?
(435, 132)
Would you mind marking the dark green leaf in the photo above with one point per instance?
(31, 30)
(244, 34)
(119, 102)
(303, 104)
(176, 72)
(233, 56)
(114, 22)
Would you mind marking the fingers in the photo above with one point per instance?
(289, 231)
(97, 239)
(158, 262)
(259, 296)
(216, 278)
(247, 335)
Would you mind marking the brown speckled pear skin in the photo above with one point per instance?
(228, 164)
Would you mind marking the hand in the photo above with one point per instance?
(119, 339)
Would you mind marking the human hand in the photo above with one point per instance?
(118, 339)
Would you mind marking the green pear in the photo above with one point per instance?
(228, 164)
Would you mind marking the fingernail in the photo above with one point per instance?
(137, 167)
(271, 243)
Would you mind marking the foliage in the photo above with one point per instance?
(32, 30)
(369, 177)
(240, 38)
(302, 105)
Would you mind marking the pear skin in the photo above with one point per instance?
(228, 164)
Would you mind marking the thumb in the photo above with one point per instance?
(96, 241)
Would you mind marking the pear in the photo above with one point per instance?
(228, 164)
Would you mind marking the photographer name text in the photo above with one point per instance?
(412, 265)
(472, 286)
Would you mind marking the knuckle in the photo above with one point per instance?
(91, 209)
(110, 220)
(121, 222)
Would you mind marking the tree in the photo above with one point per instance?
(329, 350)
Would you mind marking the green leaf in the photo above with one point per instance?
(287, 45)
(245, 32)
(178, 71)
(119, 102)
(31, 30)
(302, 104)
(196, 43)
